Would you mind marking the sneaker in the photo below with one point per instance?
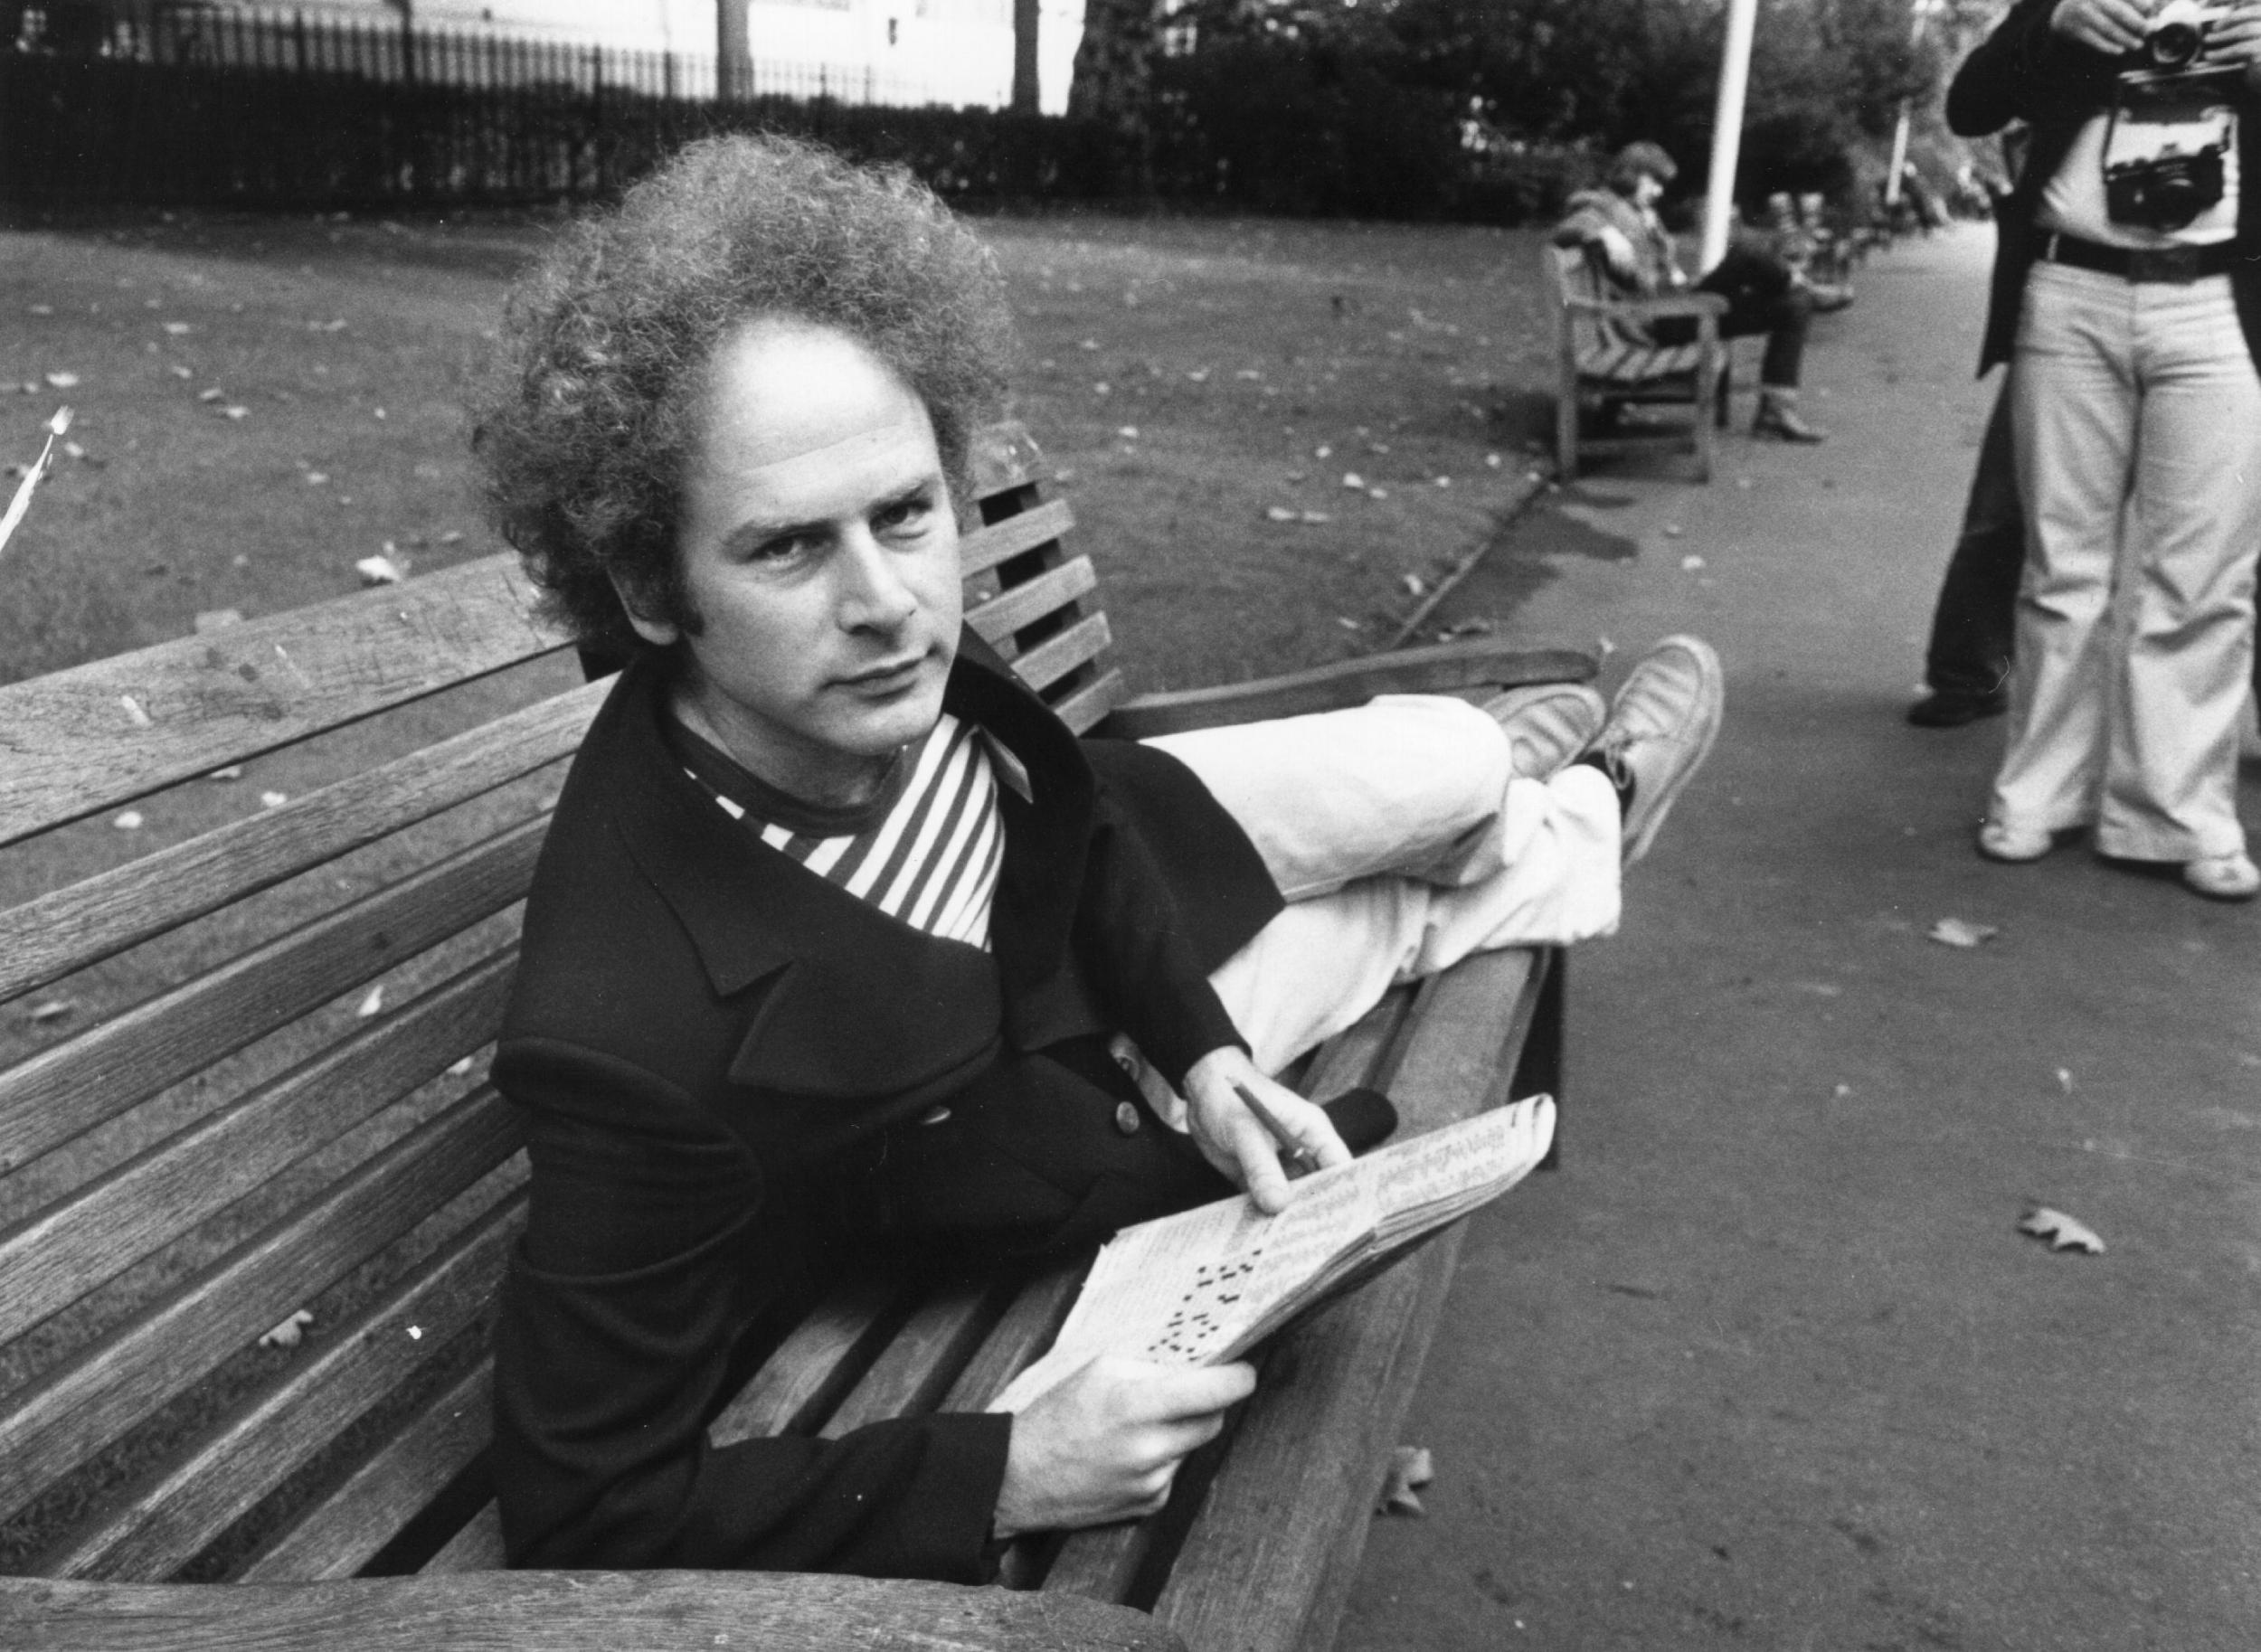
(1547, 724)
(1778, 417)
(1661, 727)
(1998, 840)
(1946, 708)
(2223, 877)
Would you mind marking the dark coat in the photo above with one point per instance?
(2026, 71)
(737, 1075)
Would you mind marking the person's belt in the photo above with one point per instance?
(2177, 264)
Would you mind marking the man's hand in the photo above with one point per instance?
(2237, 39)
(1235, 1139)
(2114, 27)
(1105, 1443)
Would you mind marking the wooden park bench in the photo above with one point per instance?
(1604, 364)
(213, 1118)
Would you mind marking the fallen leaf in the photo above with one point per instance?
(1444, 481)
(1102, 388)
(2065, 1080)
(1248, 372)
(1691, 563)
(1413, 584)
(1314, 516)
(379, 412)
(457, 1069)
(1322, 452)
(1351, 478)
(1199, 375)
(1409, 1466)
(1377, 493)
(453, 537)
(371, 1002)
(1672, 530)
(233, 771)
(273, 799)
(315, 478)
(288, 1333)
(233, 413)
(2062, 1231)
(211, 395)
(135, 714)
(1347, 623)
(63, 381)
(52, 1009)
(1129, 432)
(378, 570)
(1465, 628)
(1492, 461)
(176, 328)
(1961, 932)
(179, 371)
(130, 821)
(1278, 513)
(43, 309)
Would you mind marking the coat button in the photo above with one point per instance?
(934, 1115)
(1127, 1118)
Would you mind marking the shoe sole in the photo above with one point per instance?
(2239, 892)
(1712, 676)
(2018, 858)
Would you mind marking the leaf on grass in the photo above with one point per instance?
(453, 537)
(1313, 516)
(176, 328)
(1409, 1466)
(2062, 1231)
(1377, 493)
(2065, 1080)
(1322, 452)
(1278, 513)
(211, 393)
(378, 570)
(1413, 584)
(63, 381)
(1492, 461)
(315, 478)
(1351, 478)
(1961, 932)
(1348, 624)
(288, 1334)
(1691, 563)
(371, 1002)
(179, 371)
(1129, 432)
(43, 309)
(234, 411)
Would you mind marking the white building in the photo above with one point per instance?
(954, 51)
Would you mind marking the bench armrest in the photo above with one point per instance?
(1440, 668)
(552, 1611)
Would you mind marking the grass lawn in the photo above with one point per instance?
(1186, 374)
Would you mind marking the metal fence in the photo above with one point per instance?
(283, 110)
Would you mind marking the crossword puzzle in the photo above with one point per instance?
(1195, 1327)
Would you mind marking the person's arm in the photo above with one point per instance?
(647, 1247)
(1148, 978)
(2048, 59)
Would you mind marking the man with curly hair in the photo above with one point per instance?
(841, 945)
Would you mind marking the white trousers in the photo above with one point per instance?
(2138, 421)
(1403, 841)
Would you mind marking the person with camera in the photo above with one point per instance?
(2127, 299)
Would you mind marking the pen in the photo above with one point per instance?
(1295, 1159)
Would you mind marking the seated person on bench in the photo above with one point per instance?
(842, 943)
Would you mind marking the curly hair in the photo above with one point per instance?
(591, 412)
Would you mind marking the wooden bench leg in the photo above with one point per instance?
(1567, 430)
(1539, 1070)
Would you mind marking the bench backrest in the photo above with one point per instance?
(241, 1074)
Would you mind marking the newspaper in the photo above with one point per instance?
(1206, 1285)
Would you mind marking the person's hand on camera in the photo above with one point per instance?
(2114, 27)
(1235, 1139)
(1105, 1443)
(2236, 39)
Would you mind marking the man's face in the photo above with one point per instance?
(819, 552)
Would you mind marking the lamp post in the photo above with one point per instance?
(1726, 127)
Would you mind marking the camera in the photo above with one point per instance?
(2175, 37)
(2164, 193)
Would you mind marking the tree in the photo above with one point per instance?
(1114, 66)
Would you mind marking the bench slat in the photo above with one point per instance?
(1046, 664)
(68, 1089)
(340, 1534)
(73, 1414)
(921, 1360)
(1089, 706)
(548, 1611)
(819, 1360)
(349, 1369)
(88, 921)
(83, 740)
(478, 1547)
(1000, 541)
(1028, 1326)
(1025, 604)
(56, 1257)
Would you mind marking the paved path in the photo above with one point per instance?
(1767, 1364)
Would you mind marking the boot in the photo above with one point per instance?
(1778, 416)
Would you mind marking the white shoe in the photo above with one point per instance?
(1547, 724)
(1660, 728)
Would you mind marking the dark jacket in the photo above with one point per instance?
(2025, 70)
(737, 1075)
